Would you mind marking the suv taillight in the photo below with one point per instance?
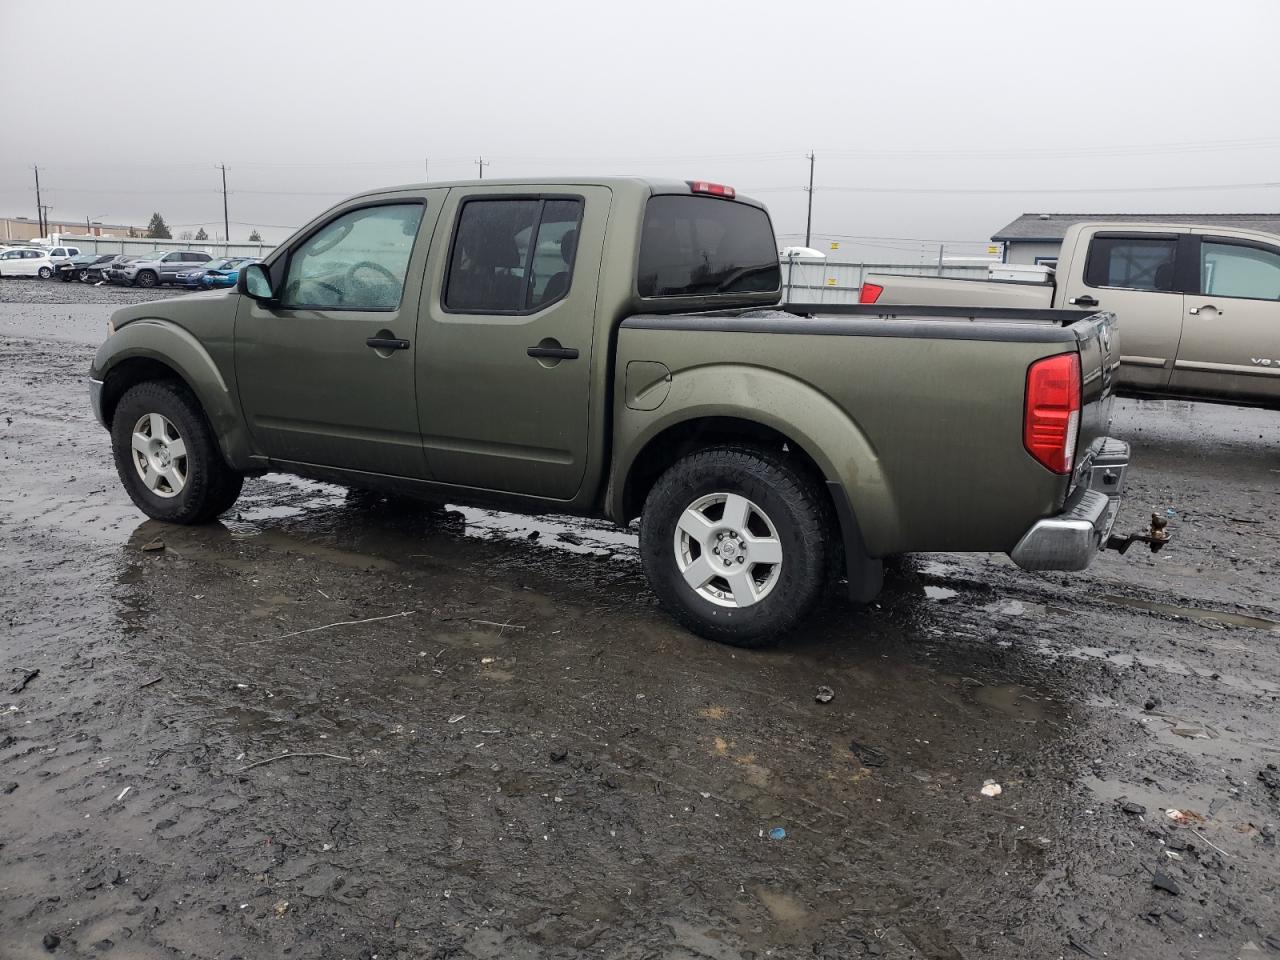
(870, 293)
(1051, 421)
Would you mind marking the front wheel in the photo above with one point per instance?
(45, 273)
(167, 457)
(734, 542)
(146, 278)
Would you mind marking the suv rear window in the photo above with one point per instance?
(696, 246)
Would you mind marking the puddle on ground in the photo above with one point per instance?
(1194, 613)
(940, 593)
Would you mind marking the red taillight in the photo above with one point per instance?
(1051, 421)
(715, 189)
(870, 293)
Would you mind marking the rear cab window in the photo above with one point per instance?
(699, 246)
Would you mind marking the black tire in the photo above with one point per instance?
(44, 273)
(82, 275)
(799, 512)
(65, 275)
(146, 278)
(211, 487)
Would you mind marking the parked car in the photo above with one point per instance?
(197, 276)
(114, 272)
(61, 254)
(1199, 307)
(616, 348)
(159, 267)
(26, 262)
(228, 274)
(74, 268)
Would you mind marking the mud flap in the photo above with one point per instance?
(865, 573)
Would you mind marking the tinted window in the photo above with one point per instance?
(695, 246)
(198, 257)
(1232, 270)
(1135, 263)
(495, 268)
(57, 252)
(356, 261)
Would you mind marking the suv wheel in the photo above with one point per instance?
(82, 275)
(146, 278)
(166, 455)
(45, 273)
(734, 542)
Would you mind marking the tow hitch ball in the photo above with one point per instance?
(1155, 538)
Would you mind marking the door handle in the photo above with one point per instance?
(553, 353)
(1085, 301)
(387, 343)
(1194, 311)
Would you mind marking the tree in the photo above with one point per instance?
(157, 229)
(185, 235)
(132, 233)
(201, 235)
(255, 237)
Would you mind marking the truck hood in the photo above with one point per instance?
(179, 310)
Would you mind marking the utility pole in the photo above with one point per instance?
(808, 224)
(426, 169)
(481, 163)
(39, 207)
(226, 222)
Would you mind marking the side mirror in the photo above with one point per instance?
(255, 282)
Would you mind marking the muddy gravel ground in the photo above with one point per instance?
(515, 754)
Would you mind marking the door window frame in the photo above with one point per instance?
(1200, 238)
(286, 259)
(530, 254)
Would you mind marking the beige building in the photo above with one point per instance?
(25, 228)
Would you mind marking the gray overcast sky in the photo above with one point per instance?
(306, 102)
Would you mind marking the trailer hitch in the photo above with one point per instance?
(1155, 538)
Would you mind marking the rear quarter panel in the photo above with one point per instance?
(924, 433)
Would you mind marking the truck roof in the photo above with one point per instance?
(648, 186)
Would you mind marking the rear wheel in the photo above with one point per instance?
(146, 278)
(735, 544)
(167, 457)
(45, 273)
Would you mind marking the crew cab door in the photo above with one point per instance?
(1231, 333)
(504, 366)
(1136, 276)
(326, 370)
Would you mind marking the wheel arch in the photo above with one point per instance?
(157, 350)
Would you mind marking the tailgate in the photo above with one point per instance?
(1099, 343)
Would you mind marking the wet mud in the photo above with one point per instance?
(337, 726)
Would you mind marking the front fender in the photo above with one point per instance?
(166, 343)
(783, 403)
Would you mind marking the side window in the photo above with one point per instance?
(356, 261)
(57, 252)
(512, 256)
(1235, 270)
(32, 254)
(1133, 263)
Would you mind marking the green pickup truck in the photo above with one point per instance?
(616, 348)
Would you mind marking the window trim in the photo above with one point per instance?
(1178, 260)
(531, 253)
(287, 259)
(1200, 239)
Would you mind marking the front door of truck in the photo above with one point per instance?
(506, 331)
(326, 371)
(1135, 276)
(1231, 333)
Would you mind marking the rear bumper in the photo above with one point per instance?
(1069, 540)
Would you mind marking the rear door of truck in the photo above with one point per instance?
(506, 334)
(1134, 274)
(1231, 329)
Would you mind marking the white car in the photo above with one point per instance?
(27, 262)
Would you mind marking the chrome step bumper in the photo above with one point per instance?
(1069, 540)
